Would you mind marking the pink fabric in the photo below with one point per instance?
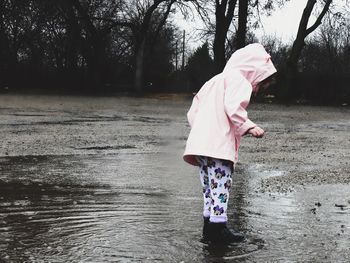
(218, 116)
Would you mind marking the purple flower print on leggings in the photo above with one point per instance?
(218, 210)
(219, 173)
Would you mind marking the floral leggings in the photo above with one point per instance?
(216, 179)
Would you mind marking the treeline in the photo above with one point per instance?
(86, 46)
(101, 46)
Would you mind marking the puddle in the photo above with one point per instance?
(87, 219)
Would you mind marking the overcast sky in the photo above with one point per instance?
(283, 23)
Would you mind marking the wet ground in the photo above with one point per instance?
(102, 180)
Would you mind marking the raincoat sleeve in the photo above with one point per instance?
(236, 99)
(193, 110)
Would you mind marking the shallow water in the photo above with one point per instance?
(107, 184)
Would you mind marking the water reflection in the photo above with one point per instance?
(115, 211)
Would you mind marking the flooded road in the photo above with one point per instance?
(102, 180)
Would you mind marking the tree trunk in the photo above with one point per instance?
(5, 52)
(223, 20)
(139, 70)
(8, 56)
(219, 47)
(242, 23)
(141, 35)
(5, 57)
(291, 70)
(73, 33)
(303, 32)
(94, 48)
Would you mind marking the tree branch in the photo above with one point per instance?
(305, 19)
(90, 26)
(148, 16)
(114, 22)
(163, 21)
(319, 18)
(231, 10)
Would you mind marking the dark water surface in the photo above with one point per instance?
(130, 198)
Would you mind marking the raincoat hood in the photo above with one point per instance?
(253, 62)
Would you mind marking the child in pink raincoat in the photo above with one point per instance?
(218, 119)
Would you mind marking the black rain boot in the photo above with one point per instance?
(219, 233)
(205, 227)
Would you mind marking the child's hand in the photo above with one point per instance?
(256, 132)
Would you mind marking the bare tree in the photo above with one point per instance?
(96, 35)
(304, 31)
(74, 31)
(249, 16)
(145, 16)
(333, 40)
(6, 54)
(290, 72)
(242, 23)
(14, 28)
(141, 16)
(224, 12)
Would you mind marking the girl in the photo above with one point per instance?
(218, 119)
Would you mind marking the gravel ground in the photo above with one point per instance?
(307, 144)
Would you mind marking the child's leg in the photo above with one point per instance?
(220, 179)
(203, 174)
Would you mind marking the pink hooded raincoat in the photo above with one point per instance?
(218, 116)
